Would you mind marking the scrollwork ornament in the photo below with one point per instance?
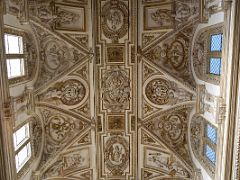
(158, 91)
(116, 89)
(116, 155)
(115, 19)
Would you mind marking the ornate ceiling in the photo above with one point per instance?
(113, 87)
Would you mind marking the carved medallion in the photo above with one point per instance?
(58, 128)
(115, 19)
(157, 91)
(73, 92)
(176, 54)
(116, 90)
(116, 155)
(70, 92)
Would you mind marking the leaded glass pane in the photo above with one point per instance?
(211, 133)
(216, 42)
(215, 66)
(210, 154)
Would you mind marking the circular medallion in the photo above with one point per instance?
(73, 92)
(115, 19)
(116, 155)
(157, 91)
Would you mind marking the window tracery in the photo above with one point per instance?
(207, 54)
(203, 137)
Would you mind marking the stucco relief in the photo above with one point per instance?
(116, 155)
(60, 129)
(165, 162)
(56, 55)
(70, 92)
(116, 89)
(172, 55)
(114, 19)
(164, 92)
(68, 164)
(171, 128)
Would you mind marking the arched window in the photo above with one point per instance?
(207, 54)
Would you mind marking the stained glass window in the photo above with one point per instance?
(210, 154)
(211, 133)
(215, 66)
(216, 42)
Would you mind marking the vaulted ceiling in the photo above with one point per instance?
(113, 88)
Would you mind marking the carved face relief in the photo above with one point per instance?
(157, 91)
(115, 19)
(73, 92)
(116, 155)
(116, 90)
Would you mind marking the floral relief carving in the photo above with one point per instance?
(116, 89)
(116, 155)
(171, 128)
(115, 19)
(59, 130)
(56, 55)
(162, 17)
(173, 56)
(164, 92)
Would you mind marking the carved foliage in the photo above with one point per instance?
(172, 55)
(116, 89)
(60, 129)
(163, 92)
(114, 19)
(56, 55)
(171, 128)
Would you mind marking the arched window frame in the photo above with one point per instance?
(29, 55)
(202, 53)
(199, 141)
